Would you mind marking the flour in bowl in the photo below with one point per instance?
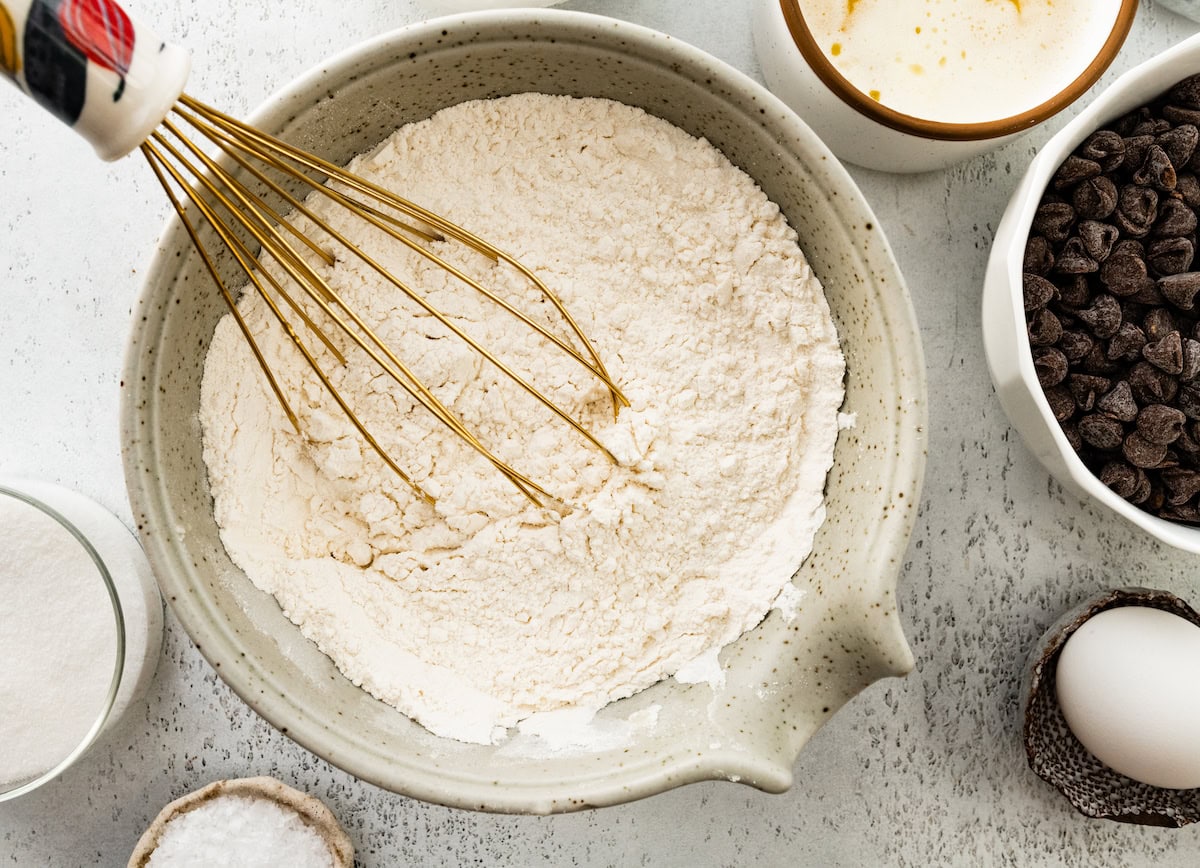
(476, 613)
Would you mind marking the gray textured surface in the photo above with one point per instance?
(916, 772)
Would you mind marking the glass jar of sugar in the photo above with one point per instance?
(915, 85)
(81, 626)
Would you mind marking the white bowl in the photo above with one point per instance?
(1005, 340)
(785, 678)
(867, 133)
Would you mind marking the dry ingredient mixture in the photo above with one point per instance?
(477, 613)
(240, 832)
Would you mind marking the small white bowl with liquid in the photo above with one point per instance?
(918, 85)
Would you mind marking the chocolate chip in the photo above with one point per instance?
(1166, 353)
(1175, 218)
(1186, 93)
(1185, 513)
(1136, 148)
(1051, 366)
(1148, 296)
(1124, 273)
(1180, 289)
(1152, 126)
(1074, 291)
(1181, 485)
(1122, 478)
(1143, 493)
(1180, 115)
(1140, 452)
(1074, 170)
(1191, 361)
(1105, 147)
(1085, 389)
(1187, 447)
(1038, 291)
(1039, 256)
(1150, 385)
(1098, 239)
(1055, 219)
(1179, 143)
(1062, 405)
(1095, 198)
(1160, 424)
(1119, 403)
(1137, 209)
(1045, 329)
(1101, 432)
(1127, 343)
(1158, 322)
(1156, 170)
(1187, 185)
(1098, 363)
(1075, 345)
(1188, 402)
(1104, 315)
(1074, 259)
(1170, 255)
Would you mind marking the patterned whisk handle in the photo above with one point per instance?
(108, 76)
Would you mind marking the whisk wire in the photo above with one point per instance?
(278, 239)
(226, 236)
(157, 165)
(275, 244)
(252, 206)
(258, 141)
(374, 216)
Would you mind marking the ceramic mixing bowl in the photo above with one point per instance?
(786, 677)
(1005, 340)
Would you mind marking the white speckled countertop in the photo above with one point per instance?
(924, 771)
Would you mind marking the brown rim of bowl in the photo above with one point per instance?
(863, 104)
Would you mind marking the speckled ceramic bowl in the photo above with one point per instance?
(1005, 339)
(784, 679)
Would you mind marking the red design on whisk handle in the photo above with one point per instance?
(102, 31)
(71, 55)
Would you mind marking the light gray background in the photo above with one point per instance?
(924, 771)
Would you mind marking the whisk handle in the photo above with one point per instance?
(106, 75)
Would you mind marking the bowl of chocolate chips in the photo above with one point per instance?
(1091, 304)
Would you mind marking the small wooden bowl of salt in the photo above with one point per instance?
(244, 822)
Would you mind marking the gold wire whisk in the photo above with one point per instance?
(231, 209)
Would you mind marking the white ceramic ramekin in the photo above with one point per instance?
(864, 132)
(1005, 340)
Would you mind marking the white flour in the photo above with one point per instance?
(472, 615)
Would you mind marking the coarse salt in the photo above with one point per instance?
(240, 832)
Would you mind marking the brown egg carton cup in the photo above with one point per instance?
(1057, 756)
(311, 810)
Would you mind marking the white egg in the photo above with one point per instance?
(1129, 688)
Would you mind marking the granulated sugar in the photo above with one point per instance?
(240, 832)
(58, 642)
(477, 613)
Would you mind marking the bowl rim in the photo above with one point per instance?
(840, 86)
(1132, 88)
(771, 773)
